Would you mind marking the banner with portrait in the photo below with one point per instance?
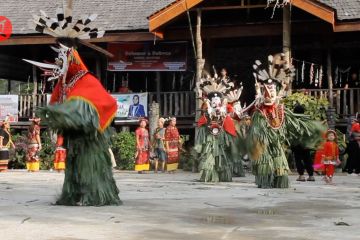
(9, 107)
(131, 106)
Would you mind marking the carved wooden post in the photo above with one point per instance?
(329, 78)
(33, 99)
(154, 115)
(287, 38)
(200, 62)
(331, 110)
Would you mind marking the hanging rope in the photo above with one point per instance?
(191, 30)
(277, 4)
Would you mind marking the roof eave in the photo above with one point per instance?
(160, 18)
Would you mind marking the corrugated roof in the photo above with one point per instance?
(114, 15)
(124, 15)
(345, 9)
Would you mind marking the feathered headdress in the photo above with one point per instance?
(69, 34)
(209, 86)
(64, 27)
(278, 72)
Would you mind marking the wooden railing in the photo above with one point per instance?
(29, 103)
(346, 101)
(179, 104)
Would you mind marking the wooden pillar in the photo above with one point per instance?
(200, 62)
(199, 51)
(154, 115)
(329, 77)
(34, 102)
(98, 68)
(287, 38)
(331, 110)
(158, 86)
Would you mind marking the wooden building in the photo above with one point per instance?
(319, 34)
(321, 37)
(124, 21)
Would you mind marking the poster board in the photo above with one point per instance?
(9, 106)
(131, 106)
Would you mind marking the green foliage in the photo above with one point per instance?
(124, 148)
(188, 159)
(314, 107)
(18, 155)
(47, 152)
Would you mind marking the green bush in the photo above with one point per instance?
(47, 152)
(18, 155)
(124, 148)
(188, 159)
(314, 107)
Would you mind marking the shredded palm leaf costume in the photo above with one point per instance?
(273, 127)
(216, 131)
(239, 148)
(81, 110)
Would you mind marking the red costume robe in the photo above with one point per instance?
(172, 137)
(330, 157)
(142, 155)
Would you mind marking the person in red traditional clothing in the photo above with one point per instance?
(60, 154)
(172, 146)
(330, 157)
(142, 162)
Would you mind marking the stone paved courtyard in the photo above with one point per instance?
(176, 206)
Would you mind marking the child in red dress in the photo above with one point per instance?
(330, 157)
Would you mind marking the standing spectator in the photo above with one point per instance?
(5, 144)
(159, 146)
(353, 151)
(173, 145)
(302, 155)
(142, 146)
(34, 146)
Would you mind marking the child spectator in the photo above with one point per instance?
(330, 157)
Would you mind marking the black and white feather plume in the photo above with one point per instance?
(64, 26)
(278, 70)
